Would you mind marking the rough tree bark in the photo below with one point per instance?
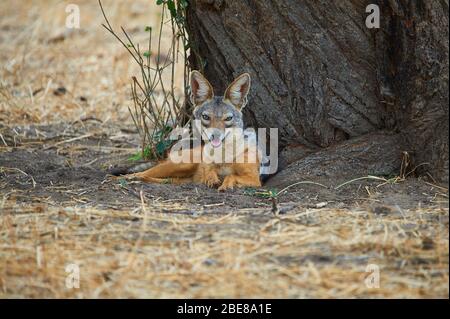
(323, 78)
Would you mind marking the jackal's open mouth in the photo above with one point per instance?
(217, 141)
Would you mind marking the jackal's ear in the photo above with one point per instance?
(237, 91)
(201, 89)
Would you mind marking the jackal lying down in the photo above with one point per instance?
(227, 156)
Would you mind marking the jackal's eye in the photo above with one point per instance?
(205, 117)
(228, 119)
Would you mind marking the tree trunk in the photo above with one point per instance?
(413, 70)
(322, 77)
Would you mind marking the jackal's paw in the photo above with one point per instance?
(228, 183)
(210, 179)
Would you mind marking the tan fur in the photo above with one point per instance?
(239, 174)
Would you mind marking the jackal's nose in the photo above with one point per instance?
(215, 136)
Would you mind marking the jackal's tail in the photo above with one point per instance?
(118, 171)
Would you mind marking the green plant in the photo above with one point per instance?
(153, 118)
(157, 148)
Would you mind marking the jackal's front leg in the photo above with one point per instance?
(232, 181)
(207, 174)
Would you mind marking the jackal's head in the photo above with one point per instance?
(218, 113)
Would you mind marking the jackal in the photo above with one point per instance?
(221, 126)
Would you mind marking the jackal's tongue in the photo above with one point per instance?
(216, 142)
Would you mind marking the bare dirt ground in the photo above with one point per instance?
(59, 207)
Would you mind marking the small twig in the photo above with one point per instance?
(298, 183)
(88, 118)
(416, 167)
(275, 210)
(361, 178)
(440, 187)
(3, 140)
(20, 171)
(90, 163)
(214, 205)
(69, 140)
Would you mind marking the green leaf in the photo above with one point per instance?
(147, 54)
(273, 192)
(266, 194)
(136, 157)
(183, 4)
(162, 133)
(161, 147)
(159, 2)
(122, 182)
(148, 29)
(147, 153)
(172, 8)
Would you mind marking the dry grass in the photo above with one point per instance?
(318, 253)
(160, 245)
(39, 54)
